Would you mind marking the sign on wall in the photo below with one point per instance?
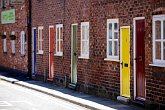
(8, 16)
(17, 2)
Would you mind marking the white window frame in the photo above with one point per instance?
(157, 62)
(112, 57)
(40, 40)
(22, 42)
(13, 44)
(5, 44)
(87, 30)
(58, 39)
(4, 4)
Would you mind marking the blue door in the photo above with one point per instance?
(34, 52)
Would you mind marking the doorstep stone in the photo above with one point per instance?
(123, 100)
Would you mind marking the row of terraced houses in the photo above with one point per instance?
(108, 48)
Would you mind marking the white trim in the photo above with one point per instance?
(39, 40)
(157, 65)
(51, 26)
(112, 21)
(134, 52)
(86, 56)
(13, 44)
(160, 18)
(72, 49)
(111, 59)
(83, 57)
(60, 53)
(121, 56)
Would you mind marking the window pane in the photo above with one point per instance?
(87, 47)
(116, 26)
(115, 48)
(163, 50)
(116, 35)
(110, 48)
(83, 47)
(110, 31)
(87, 33)
(158, 30)
(61, 33)
(164, 29)
(57, 46)
(57, 33)
(158, 50)
(61, 46)
(83, 32)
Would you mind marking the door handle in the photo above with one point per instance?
(74, 53)
(140, 58)
(50, 52)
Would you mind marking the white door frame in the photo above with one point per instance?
(51, 26)
(134, 52)
(75, 24)
(33, 49)
(121, 56)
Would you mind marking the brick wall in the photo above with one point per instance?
(16, 61)
(95, 75)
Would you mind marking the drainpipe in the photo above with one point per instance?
(29, 74)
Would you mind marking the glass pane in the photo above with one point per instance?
(57, 33)
(61, 46)
(83, 47)
(116, 26)
(87, 33)
(158, 50)
(61, 33)
(163, 50)
(116, 35)
(158, 30)
(87, 47)
(164, 29)
(110, 48)
(116, 48)
(57, 46)
(83, 32)
(110, 31)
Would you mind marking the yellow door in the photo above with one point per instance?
(125, 61)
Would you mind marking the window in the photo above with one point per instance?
(4, 44)
(40, 40)
(85, 39)
(159, 39)
(3, 3)
(59, 39)
(13, 44)
(112, 39)
(10, 2)
(22, 42)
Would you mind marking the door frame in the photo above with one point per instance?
(121, 56)
(50, 26)
(134, 52)
(34, 28)
(74, 24)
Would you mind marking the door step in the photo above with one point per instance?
(123, 100)
(137, 102)
(72, 86)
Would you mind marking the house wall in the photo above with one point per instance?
(95, 75)
(15, 62)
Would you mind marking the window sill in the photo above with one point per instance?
(40, 52)
(110, 59)
(5, 53)
(60, 55)
(83, 57)
(157, 65)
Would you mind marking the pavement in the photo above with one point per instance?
(84, 100)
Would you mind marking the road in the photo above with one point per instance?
(13, 97)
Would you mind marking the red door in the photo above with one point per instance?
(51, 52)
(140, 59)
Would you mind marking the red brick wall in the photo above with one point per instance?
(95, 75)
(16, 61)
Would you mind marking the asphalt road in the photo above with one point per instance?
(13, 97)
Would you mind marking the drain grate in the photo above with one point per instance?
(5, 104)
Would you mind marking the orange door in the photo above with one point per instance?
(51, 52)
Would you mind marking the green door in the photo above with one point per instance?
(73, 55)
